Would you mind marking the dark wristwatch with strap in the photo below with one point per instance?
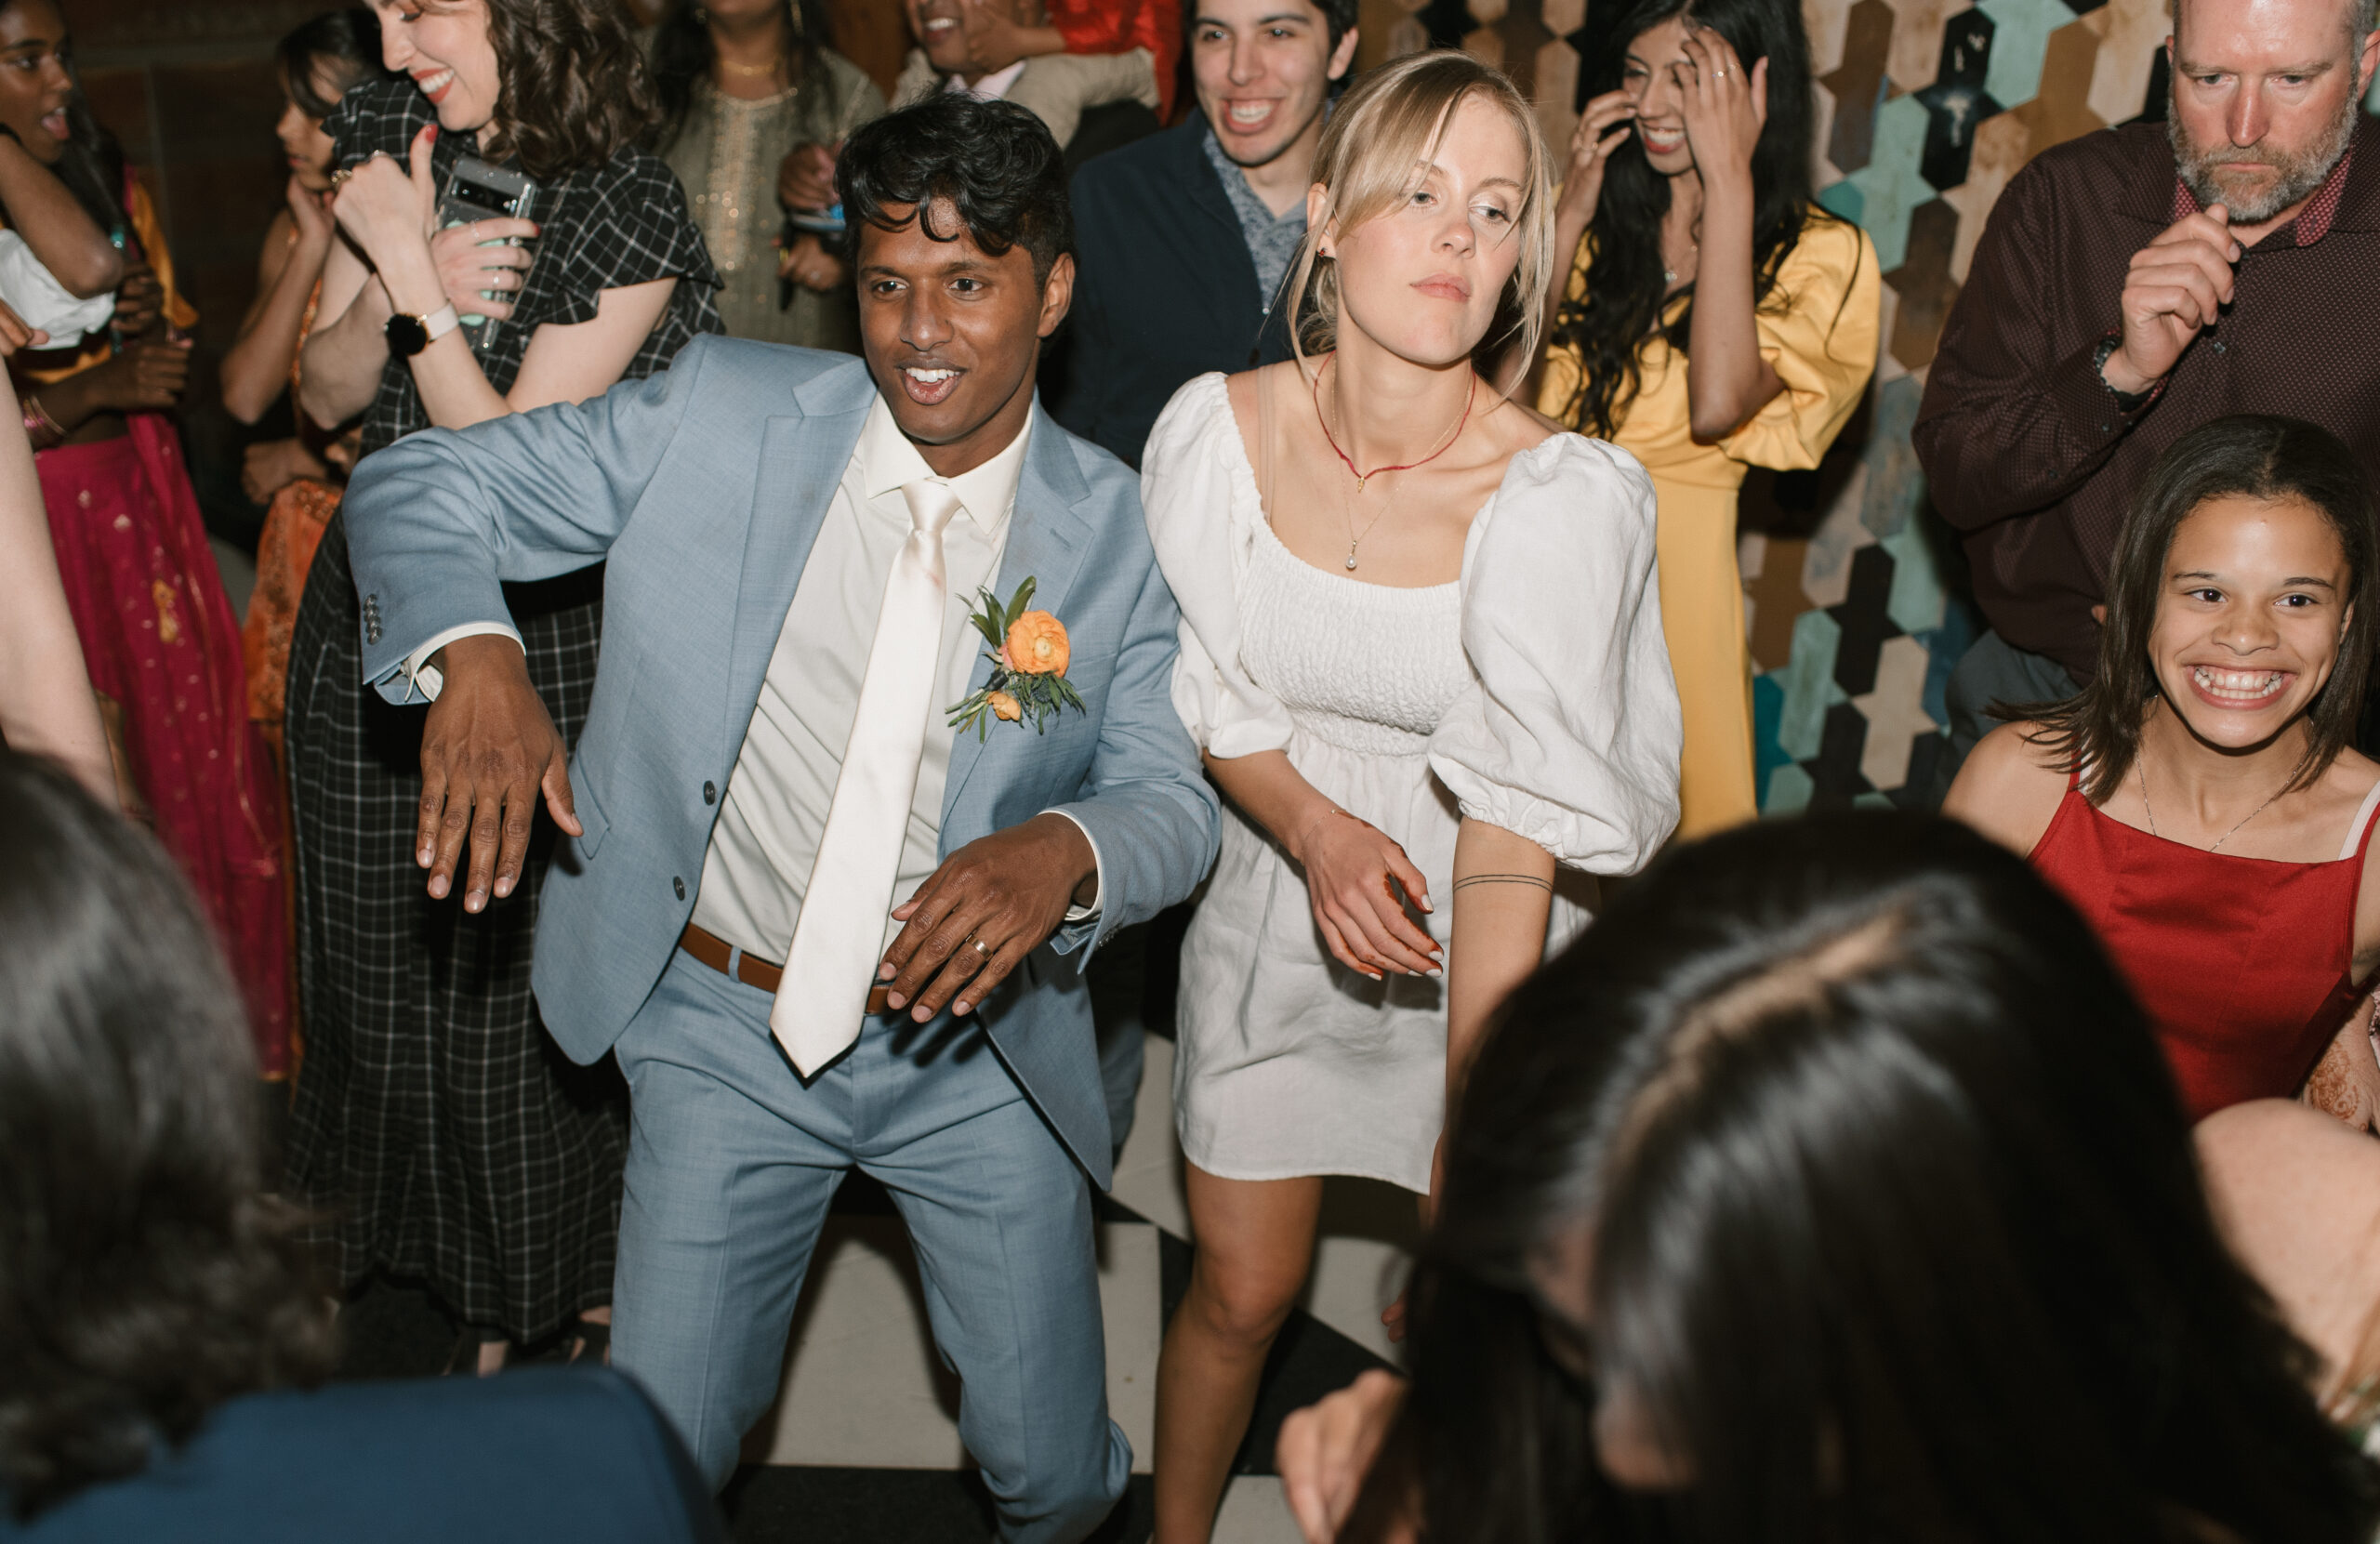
(2126, 402)
(409, 335)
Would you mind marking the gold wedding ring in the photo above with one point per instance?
(981, 947)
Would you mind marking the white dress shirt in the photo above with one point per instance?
(774, 810)
(766, 839)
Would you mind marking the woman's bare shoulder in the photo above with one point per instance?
(2010, 785)
(1241, 388)
(1520, 427)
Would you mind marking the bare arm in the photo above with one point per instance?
(1727, 380)
(69, 242)
(2007, 789)
(1353, 871)
(256, 370)
(389, 211)
(46, 703)
(343, 358)
(1603, 126)
(1504, 893)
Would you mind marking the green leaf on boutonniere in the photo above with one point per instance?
(1012, 695)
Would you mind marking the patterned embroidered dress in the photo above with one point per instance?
(435, 1122)
(727, 153)
(164, 649)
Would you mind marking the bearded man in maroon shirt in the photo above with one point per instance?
(2134, 283)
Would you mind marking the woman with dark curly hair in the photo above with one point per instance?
(453, 1143)
(155, 1316)
(1716, 320)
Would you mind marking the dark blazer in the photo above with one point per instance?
(1165, 290)
(543, 1453)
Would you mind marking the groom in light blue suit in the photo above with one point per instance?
(783, 529)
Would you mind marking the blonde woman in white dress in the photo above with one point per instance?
(1421, 649)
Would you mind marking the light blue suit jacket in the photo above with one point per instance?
(704, 486)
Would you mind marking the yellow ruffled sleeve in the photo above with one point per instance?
(1817, 330)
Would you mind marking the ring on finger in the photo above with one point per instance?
(981, 947)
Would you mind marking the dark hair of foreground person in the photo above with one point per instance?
(144, 1277)
(155, 1308)
(1831, 1188)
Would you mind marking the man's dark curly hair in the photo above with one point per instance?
(145, 1276)
(575, 91)
(994, 161)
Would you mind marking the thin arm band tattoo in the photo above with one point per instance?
(1545, 885)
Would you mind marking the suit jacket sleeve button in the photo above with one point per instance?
(679, 884)
(710, 793)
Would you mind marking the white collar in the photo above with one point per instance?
(992, 87)
(887, 460)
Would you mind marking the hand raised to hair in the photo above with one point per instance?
(1603, 127)
(1724, 107)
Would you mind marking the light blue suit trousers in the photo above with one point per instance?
(731, 1162)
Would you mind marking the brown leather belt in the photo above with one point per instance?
(715, 951)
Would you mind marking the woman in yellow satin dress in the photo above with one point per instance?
(1716, 320)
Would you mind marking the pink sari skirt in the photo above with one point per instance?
(160, 642)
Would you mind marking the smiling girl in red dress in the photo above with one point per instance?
(2199, 801)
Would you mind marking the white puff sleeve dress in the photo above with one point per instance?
(1534, 692)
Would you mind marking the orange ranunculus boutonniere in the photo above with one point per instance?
(1029, 654)
(1037, 644)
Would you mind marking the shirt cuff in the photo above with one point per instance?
(1099, 872)
(426, 678)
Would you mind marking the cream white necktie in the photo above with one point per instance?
(839, 938)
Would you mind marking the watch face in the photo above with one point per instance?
(406, 335)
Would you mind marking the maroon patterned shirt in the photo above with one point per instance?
(2026, 450)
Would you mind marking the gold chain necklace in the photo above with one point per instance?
(1354, 538)
(751, 72)
(2140, 767)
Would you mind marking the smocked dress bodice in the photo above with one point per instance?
(1531, 692)
(1358, 666)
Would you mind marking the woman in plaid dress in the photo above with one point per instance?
(444, 1136)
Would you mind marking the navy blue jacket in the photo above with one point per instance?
(1165, 290)
(542, 1452)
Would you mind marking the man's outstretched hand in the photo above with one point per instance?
(1009, 891)
(489, 752)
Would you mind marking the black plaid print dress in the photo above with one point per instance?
(444, 1136)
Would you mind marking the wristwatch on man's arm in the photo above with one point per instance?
(409, 335)
(2126, 402)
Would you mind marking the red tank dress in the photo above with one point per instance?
(2245, 966)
